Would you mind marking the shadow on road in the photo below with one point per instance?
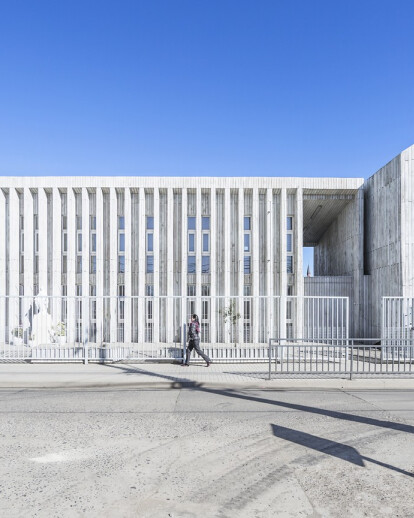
(328, 447)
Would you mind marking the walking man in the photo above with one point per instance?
(194, 342)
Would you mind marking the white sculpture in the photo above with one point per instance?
(42, 327)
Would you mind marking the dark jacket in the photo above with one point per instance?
(194, 331)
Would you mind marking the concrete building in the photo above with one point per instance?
(127, 259)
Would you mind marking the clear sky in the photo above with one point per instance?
(216, 88)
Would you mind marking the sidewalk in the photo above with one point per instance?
(162, 375)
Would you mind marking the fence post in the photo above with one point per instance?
(184, 333)
(352, 360)
(270, 359)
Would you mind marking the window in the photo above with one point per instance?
(64, 223)
(79, 242)
(289, 242)
(289, 223)
(191, 290)
(205, 290)
(150, 264)
(247, 290)
(78, 222)
(150, 223)
(247, 268)
(247, 223)
(121, 223)
(191, 264)
(289, 264)
(204, 310)
(205, 264)
(247, 242)
(206, 243)
(289, 310)
(65, 242)
(150, 242)
(78, 264)
(191, 223)
(121, 264)
(290, 289)
(191, 242)
(149, 290)
(93, 264)
(64, 264)
(93, 242)
(93, 222)
(121, 242)
(205, 223)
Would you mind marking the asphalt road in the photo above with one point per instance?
(206, 453)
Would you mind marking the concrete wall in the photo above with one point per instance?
(340, 252)
(407, 222)
(383, 260)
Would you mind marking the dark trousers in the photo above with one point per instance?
(195, 344)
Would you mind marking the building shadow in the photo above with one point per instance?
(328, 447)
(185, 383)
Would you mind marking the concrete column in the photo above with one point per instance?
(71, 275)
(43, 231)
(213, 266)
(113, 264)
(85, 264)
(56, 253)
(141, 261)
(156, 307)
(28, 251)
(283, 264)
(184, 245)
(298, 262)
(3, 221)
(99, 265)
(227, 252)
(128, 263)
(199, 248)
(257, 318)
(170, 266)
(240, 254)
(269, 264)
(14, 216)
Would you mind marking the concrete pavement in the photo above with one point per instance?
(167, 375)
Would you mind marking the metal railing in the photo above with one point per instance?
(110, 328)
(346, 357)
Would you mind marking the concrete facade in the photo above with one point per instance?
(208, 240)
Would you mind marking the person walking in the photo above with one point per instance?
(194, 342)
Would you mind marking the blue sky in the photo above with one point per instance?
(215, 88)
(211, 88)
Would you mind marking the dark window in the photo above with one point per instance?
(121, 264)
(289, 263)
(150, 223)
(121, 223)
(247, 268)
(191, 223)
(247, 223)
(289, 242)
(122, 242)
(93, 264)
(205, 223)
(150, 264)
(149, 290)
(150, 242)
(191, 264)
(289, 223)
(205, 243)
(191, 242)
(205, 264)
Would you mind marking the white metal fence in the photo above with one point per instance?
(351, 357)
(92, 328)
